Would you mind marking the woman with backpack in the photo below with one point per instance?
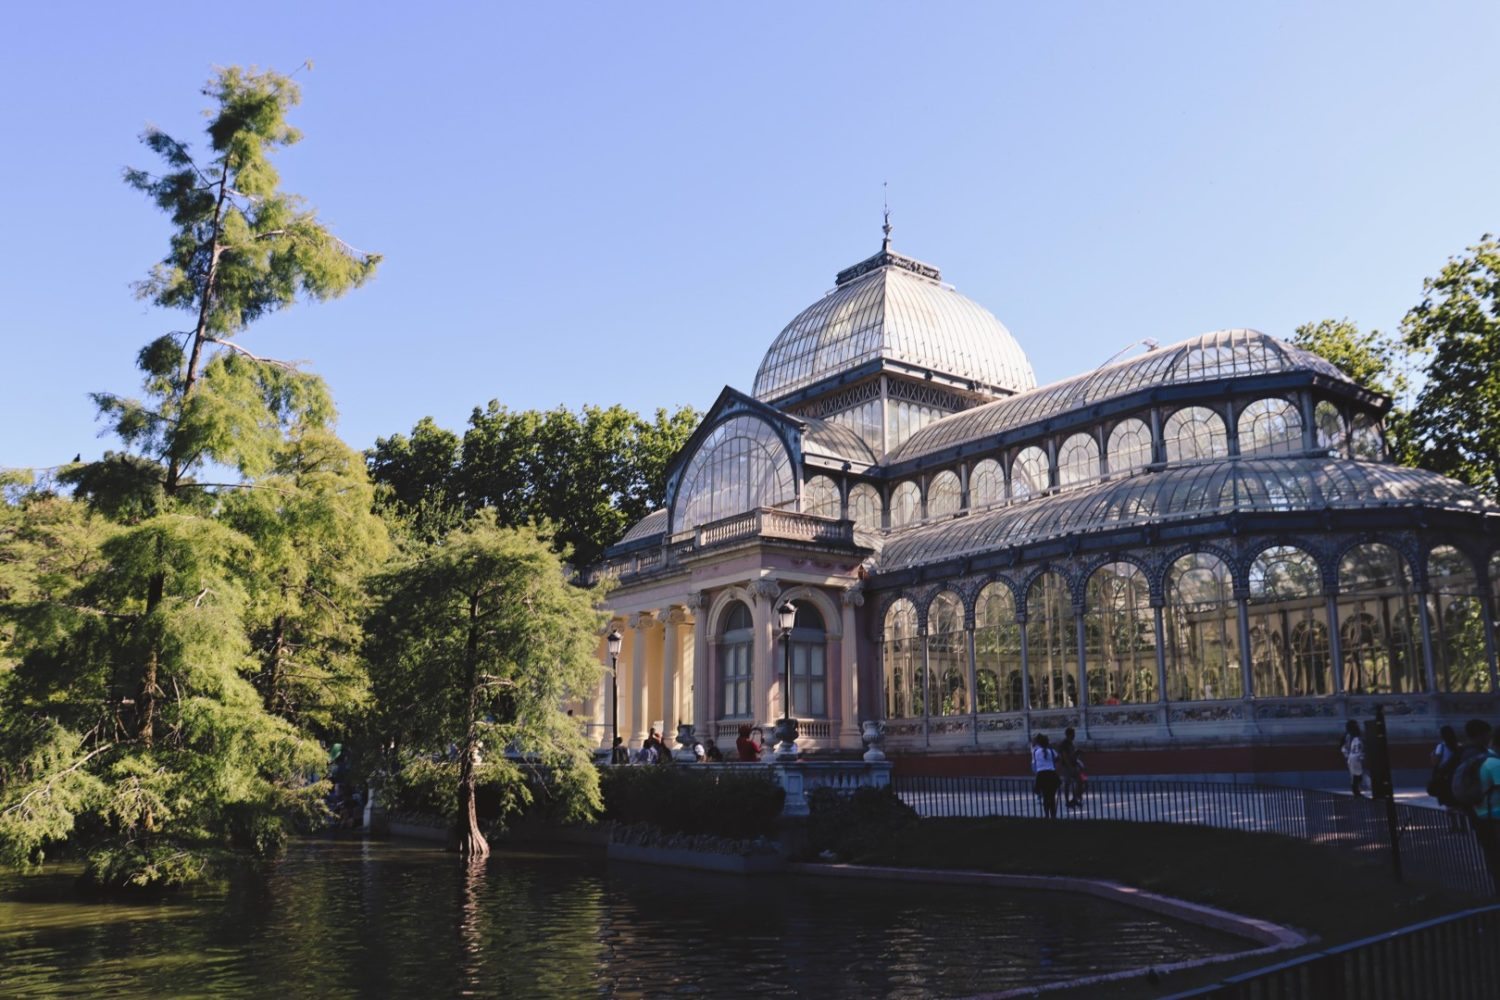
(1353, 749)
(1044, 766)
(1444, 758)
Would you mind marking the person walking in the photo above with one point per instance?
(1353, 749)
(1444, 758)
(746, 747)
(1044, 766)
(1487, 812)
(619, 755)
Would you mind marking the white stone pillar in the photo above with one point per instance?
(671, 669)
(641, 625)
(703, 716)
(851, 599)
(765, 667)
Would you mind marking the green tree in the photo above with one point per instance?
(132, 690)
(478, 644)
(1455, 425)
(590, 473)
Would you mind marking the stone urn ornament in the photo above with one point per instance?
(685, 741)
(874, 740)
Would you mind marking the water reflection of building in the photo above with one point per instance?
(1202, 545)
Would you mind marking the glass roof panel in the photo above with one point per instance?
(1185, 493)
(653, 523)
(1207, 358)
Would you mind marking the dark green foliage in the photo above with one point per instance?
(855, 826)
(590, 474)
(1374, 360)
(686, 799)
(1455, 424)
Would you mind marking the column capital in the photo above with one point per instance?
(697, 599)
(678, 614)
(853, 596)
(766, 588)
(641, 620)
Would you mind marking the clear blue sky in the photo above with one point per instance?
(625, 202)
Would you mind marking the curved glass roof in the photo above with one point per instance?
(893, 311)
(1213, 356)
(827, 439)
(1182, 494)
(653, 523)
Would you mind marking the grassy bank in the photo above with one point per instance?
(1319, 890)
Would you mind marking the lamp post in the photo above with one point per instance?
(612, 641)
(786, 727)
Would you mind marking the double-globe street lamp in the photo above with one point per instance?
(786, 727)
(612, 641)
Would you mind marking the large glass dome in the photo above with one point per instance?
(892, 307)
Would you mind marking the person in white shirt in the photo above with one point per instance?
(1044, 766)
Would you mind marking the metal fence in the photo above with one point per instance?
(1415, 842)
(1454, 957)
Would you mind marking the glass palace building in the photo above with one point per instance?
(1201, 546)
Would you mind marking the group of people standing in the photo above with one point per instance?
(654, 750)
(1057, 769)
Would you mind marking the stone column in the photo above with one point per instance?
(671, 668)
(641, 624)
(1335, 643)
(851, 599)
(1161, 653)
(1247, 660)
(765, 668)
(703, 681)
(1427, 659)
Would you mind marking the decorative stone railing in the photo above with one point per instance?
(764, 522)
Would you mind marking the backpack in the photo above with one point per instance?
(1465, 784)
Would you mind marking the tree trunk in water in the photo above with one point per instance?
(471, 842)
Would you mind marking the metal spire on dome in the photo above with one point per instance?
(885, 245)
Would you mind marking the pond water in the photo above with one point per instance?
(370, 918)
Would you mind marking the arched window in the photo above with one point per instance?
(1077, 461)
(906, 504)
(1129, 447)
(944, 495)
(741, 465)
(1051, 643)
(997, 651)
(1290, 655)
(1119, 630)
(947, 656)
(736, 652)
(820, 496)
(864, 507)
(902, 655)
(1364, 438)
(1194, 432)
(1270, 427)
(1028, 474)
(1332, 434)
(986, 483)
(1202, 619)
(809, 663)
(1460, 660)
(1378, 629)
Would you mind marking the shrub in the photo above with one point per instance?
(720, 802)
(855, 826)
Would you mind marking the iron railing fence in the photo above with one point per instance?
(1456, 957)
(1428, 848)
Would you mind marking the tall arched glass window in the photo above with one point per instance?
(1194, 432)
(1077, 461)
(947, 655)
(741, 465)
(906, 504)
(1028, 474)
(1129, 447)
(1051, 643)
(997, 651)
(864, 507)
(986, 483)
(820, 496)
(736, 653)
(809, 662)
(1458, 648)
(944, 495)
(1364, 438)
(1270, 427)
(1289, 645)
(1202, 619)
(1119, 630)
(1332, 434)
(1379, 634)
(902, 657)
